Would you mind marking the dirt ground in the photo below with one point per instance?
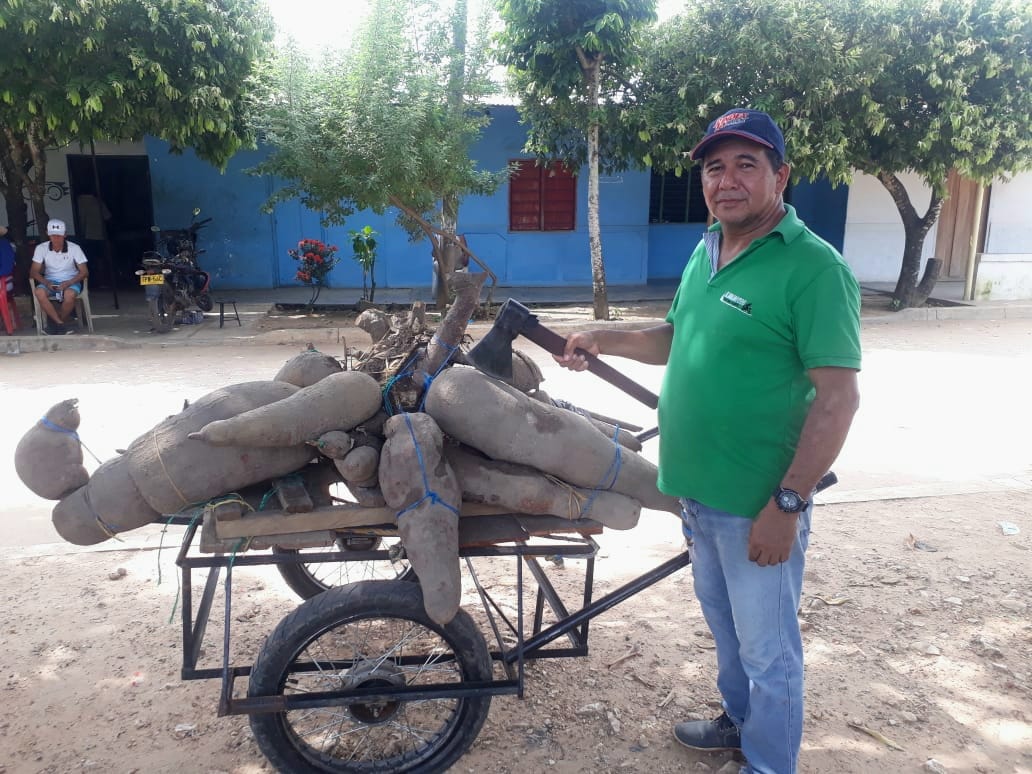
(916, 627)
(915, 611)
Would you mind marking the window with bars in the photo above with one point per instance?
(674, 199)
(541, 198)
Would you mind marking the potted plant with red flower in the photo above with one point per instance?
(315, 260)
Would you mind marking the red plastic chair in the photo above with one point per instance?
(8, 308)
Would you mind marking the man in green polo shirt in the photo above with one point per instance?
(762, 347)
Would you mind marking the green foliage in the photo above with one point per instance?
(551, 50)
(363, 246)
(181, 70)
(380, 124)
(883, 87)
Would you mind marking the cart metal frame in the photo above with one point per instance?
(574, 626)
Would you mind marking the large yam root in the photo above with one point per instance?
(360, 466)
(171, 471)
(109, 503)
(507, 425)
(526, 376)
(622, 436)
(308, 368)
(335, 444)
(526, 490)
(428, 519)
(48, 458)
(375, 323)
(339, 401)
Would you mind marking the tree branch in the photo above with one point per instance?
(433, 232)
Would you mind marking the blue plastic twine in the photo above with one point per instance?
(430, 495)
(611, 474)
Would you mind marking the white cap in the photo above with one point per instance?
(56, 227)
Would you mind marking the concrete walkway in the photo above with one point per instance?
(563, 309)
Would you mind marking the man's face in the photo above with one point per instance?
(739, 184)
(57, 242)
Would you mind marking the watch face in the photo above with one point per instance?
(789, 501)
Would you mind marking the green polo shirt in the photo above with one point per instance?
(735, 392)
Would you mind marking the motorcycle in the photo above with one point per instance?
(173, 283)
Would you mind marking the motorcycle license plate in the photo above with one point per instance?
(152, 279)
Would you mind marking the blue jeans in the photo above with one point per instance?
(751, 611)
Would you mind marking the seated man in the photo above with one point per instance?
(59, 268)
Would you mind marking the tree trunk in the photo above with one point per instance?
(447, 253)
(598, 267)
(909, 292)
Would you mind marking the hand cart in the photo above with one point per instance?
(359, 679)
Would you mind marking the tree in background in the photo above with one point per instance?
(569, 62)
(883, 88)
(78, 71)
(388, 123)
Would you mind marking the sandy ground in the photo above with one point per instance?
(915, 609)
(930, 648)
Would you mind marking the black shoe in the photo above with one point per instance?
(53, 329)
(712, 735)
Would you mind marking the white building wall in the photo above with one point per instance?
(1005, 267)
(874, 238)
(1009, 226)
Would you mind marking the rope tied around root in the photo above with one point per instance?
(157, 450)
(430, 495)
(67, 431)
(611, 475)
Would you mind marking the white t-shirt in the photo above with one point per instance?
(58, 267)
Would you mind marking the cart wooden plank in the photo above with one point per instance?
(338, 517)
(480, 525)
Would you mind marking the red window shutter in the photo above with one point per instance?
(525, 196)
(559, 198)
(542, 198)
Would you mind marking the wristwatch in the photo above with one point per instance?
(789, 500)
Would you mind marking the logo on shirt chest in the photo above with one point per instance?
(737, 302)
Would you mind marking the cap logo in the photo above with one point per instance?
(729, 119)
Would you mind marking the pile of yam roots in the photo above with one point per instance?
(411, 426)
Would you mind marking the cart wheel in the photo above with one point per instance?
(307, 580)
(373, 634)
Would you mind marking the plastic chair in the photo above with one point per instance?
(8, 308)
(82, 308)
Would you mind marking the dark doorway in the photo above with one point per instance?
(125, 200)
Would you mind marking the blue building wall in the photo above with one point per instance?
(821, 207)
(248, 249)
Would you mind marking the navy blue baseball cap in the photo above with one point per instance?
(749, 124)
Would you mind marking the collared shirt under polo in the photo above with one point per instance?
(736, 393)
